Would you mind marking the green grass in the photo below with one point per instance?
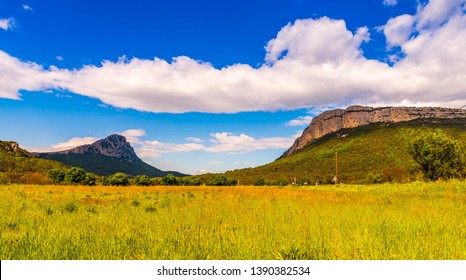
(389, 221)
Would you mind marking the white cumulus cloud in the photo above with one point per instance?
(220, 142)
(398, 30)
(310, 63)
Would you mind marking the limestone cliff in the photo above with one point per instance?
(355, 116)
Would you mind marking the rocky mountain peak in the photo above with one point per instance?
(112, 146)
(355, 116)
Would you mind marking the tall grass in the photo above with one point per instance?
(390, 221)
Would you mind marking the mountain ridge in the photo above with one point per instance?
(107, 156)
(356, 116)
(112, 146)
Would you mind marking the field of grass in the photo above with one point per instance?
(389, 221)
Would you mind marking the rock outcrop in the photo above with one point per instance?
(112, 146)
(355, 116)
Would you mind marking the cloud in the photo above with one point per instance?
(194, 139)
(27, 8)
(299, 121)
(390, 2)
(316, 42)
(16, 75)
(74, 142)
(6, 23)
(438, 12)
(59, 57)
(155, 149)
(220, 142)
(70, 144)
(398, 30)
(225, 142)
(132, 135)
(310, 63)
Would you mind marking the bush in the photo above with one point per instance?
(90, 179)
(56, 175)
(259, 182)
(142, 180)
(190, 182)
(221, 181)
(75, 175)
(118, 179)
(170, 180)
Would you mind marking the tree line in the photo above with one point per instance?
(438, 157)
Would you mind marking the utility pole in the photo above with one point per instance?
(336, 168)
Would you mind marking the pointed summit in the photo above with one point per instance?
(107, 156)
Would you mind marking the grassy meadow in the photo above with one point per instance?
(388, 221)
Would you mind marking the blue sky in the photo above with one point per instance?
(209, 86)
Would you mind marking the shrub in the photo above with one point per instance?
(90, 179)
(142, 180)
(71, 207)
(185, 181)
(56, 175)
(259, 182)
(118, 179)
(221, 181)
(75, 175)
(151, 209)
(170, 180)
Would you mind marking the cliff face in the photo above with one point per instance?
(355, 116)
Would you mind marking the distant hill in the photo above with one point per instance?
(19, 166)
(372, 146)
(107, 156)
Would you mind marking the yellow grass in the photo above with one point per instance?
(391, 221)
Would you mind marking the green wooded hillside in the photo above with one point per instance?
(368, 154)
(19, 166)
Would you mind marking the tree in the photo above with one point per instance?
(118, 179)
(259, 182)
(439, 156)
(75, 175)
(142, 180)
(170, 180)
(221, 181)
(90, 179)
(56, 175)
